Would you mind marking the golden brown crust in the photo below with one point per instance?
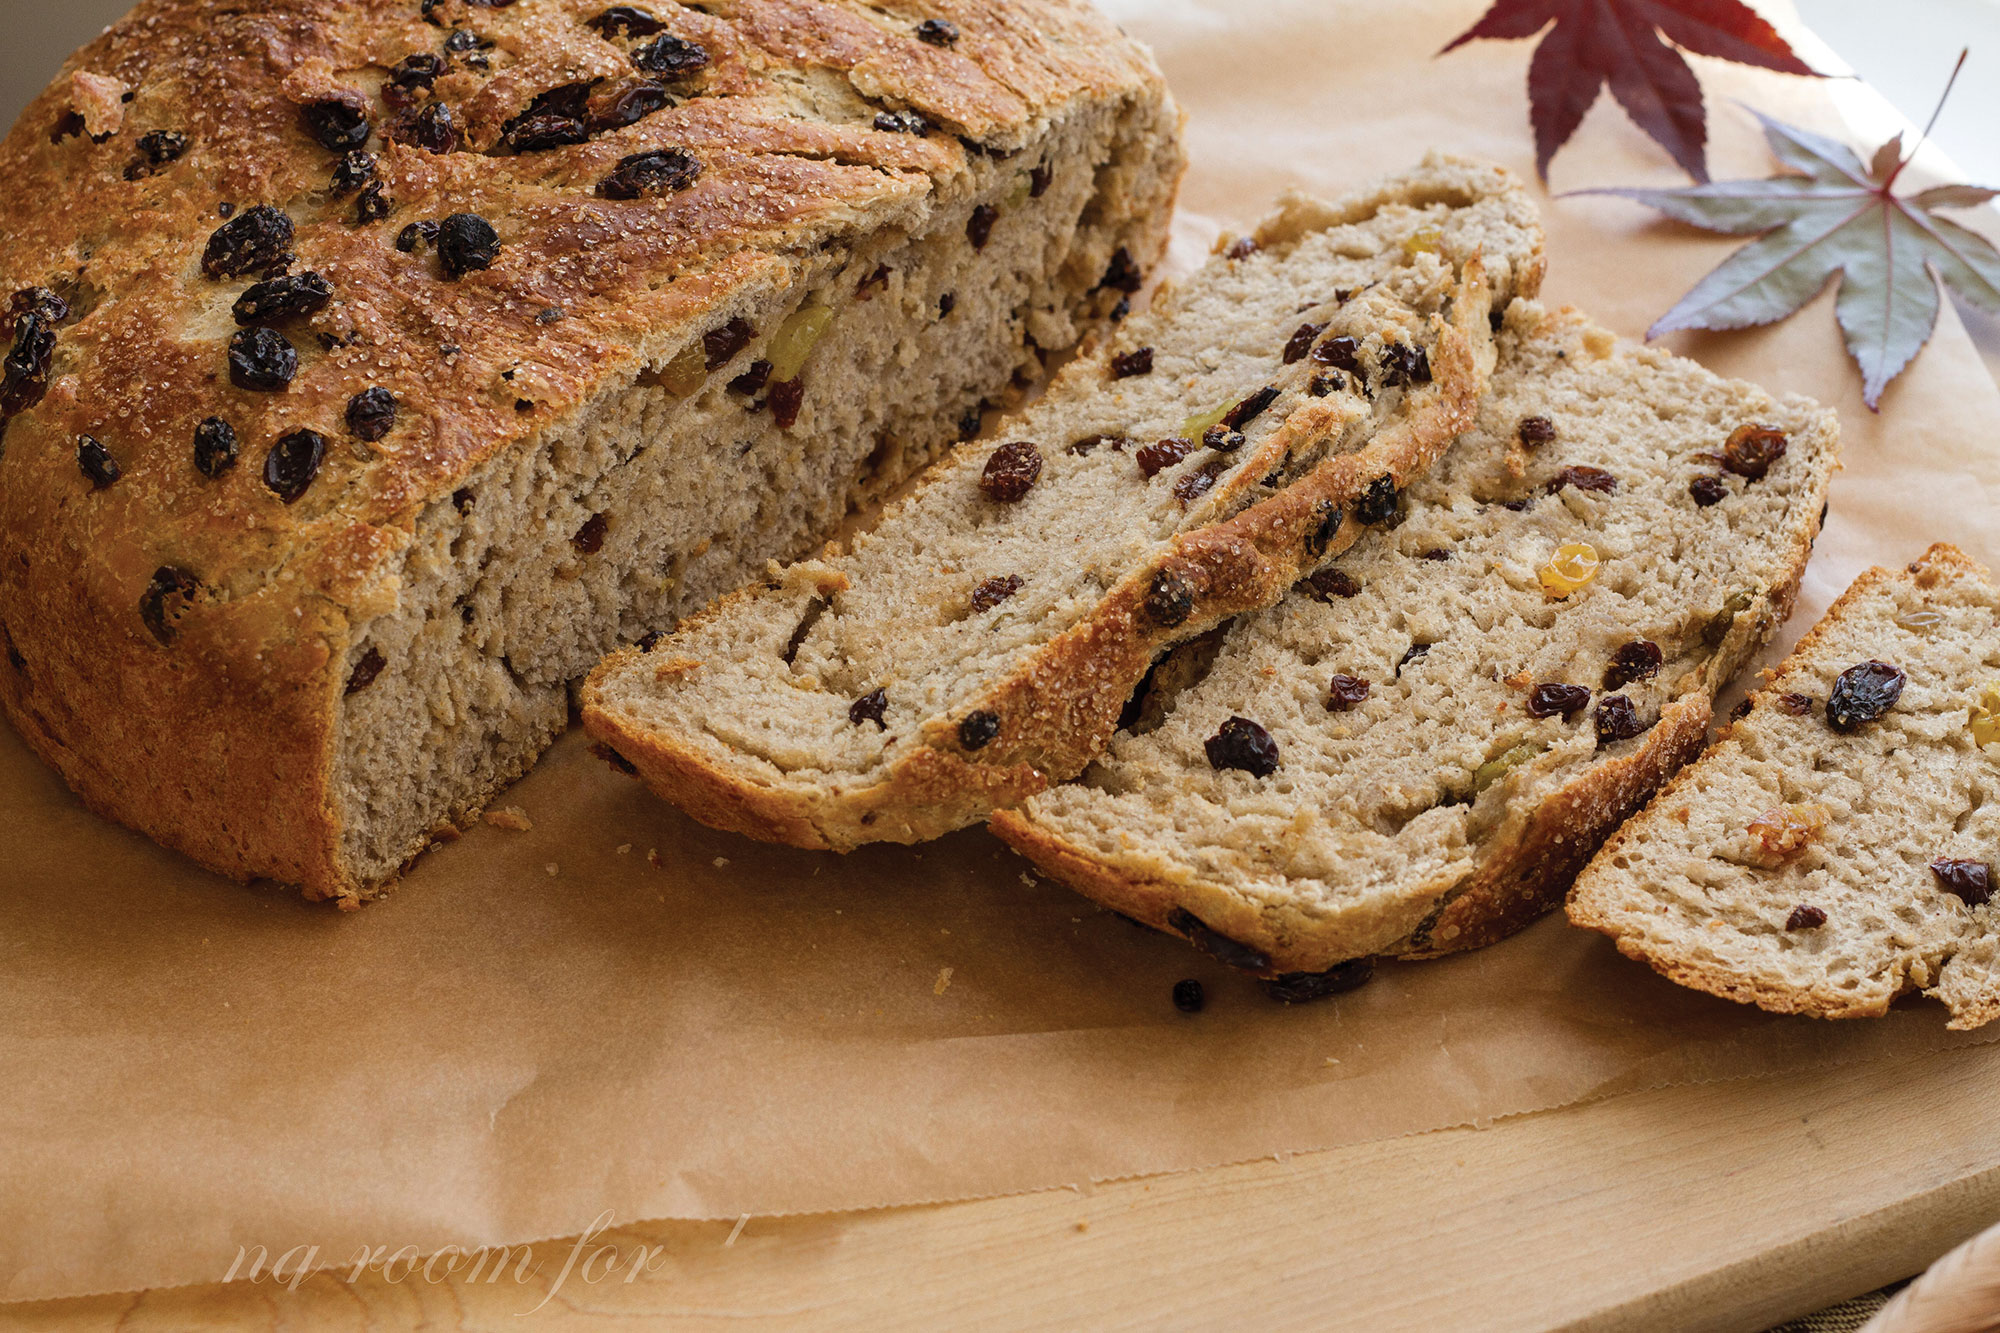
(1941, 560)
(1058, 711)
(219, 742)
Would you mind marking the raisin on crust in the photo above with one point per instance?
(440, 348)
(1538, 655)
(1239, 432)
(1837, 846)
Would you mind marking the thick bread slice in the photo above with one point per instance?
(1440, 812)
(1830, 906)
(981, 641)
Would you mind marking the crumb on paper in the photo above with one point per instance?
(510, 817)
(1333, 1059)
(653, 858)
(624, 848)
(553, 869)
(1027, 879)
(721, 862)
(736, 1230)
(944, 980)
(1083, 1226)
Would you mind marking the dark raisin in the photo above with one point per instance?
(879, 278)
(96, 462)
(1413, 653)
(466, 243)
(292, 464)
(1215, 943)
(1639, 659)
(901, 122)
(433, 129)
(1251, 408)
(947, 303)
(294, 295)
(460, 41)
(1380, 503)
(39, 301)
(994, 591)
(589, 538)
(719, 346)
(650, 640)
(156, 149)
(1617, 720)
(968, 425)
(1305, 987)
(1301, 341)
(1119, 311)
(1518, 506)
(371, 414)
(24, 376)
(979, 227)
(1564, 701)
(1534, 432)
(1970, 881)
(416, 234)
(1342, 353)
(1322, 533)
(1195, 484)
(1038, 181)
(365, 670)
(1169, 599)
(630, 106)
(1798, 705)
(1346, 693)
(1189, 996)
(338, 123)
(214, 447)
(1242, 744)
(1122, 275)
(1163, 454)
(1125, 365)
(1405, 363)
(1242, 248)
(1707, 490)
(752, 381)
(937, 32)
(626, 21)
(1222, 439)
(1584, 478)
(661, 171)
(539, 131)
(1752, 449)
(1011, 472)
(168, 585)
(1742, 710)
(419, 70)
(978, 729)
(354, 171)
(1862, 694)
(672, 56)
(870, 707)
(1322, 385)
(258, 240)
(1438, 553)
(786, 398)
(1805, 917)
(1331, 583)
(262, 359)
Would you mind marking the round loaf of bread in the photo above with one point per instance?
(373, 367)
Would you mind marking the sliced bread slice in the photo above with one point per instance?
(981, 641)
(1415, 751)
(1837, 846)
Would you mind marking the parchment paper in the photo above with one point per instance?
(543, 1025)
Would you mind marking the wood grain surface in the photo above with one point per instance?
(1728, 1206)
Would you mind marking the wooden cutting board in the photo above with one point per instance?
(1730, 1206)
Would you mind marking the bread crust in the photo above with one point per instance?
(1585, 909)
(1523, 872)
(1058, 711)
(220, 743)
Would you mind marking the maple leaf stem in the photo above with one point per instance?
(1936, 111)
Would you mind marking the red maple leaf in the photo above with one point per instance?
(1619, 42)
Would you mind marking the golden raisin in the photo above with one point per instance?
(1986, 716)
(1783, 830)
(1574, 565)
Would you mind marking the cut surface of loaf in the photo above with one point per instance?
(1837, 846)
(374, 368)
(982, 639)
(1414, 751)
